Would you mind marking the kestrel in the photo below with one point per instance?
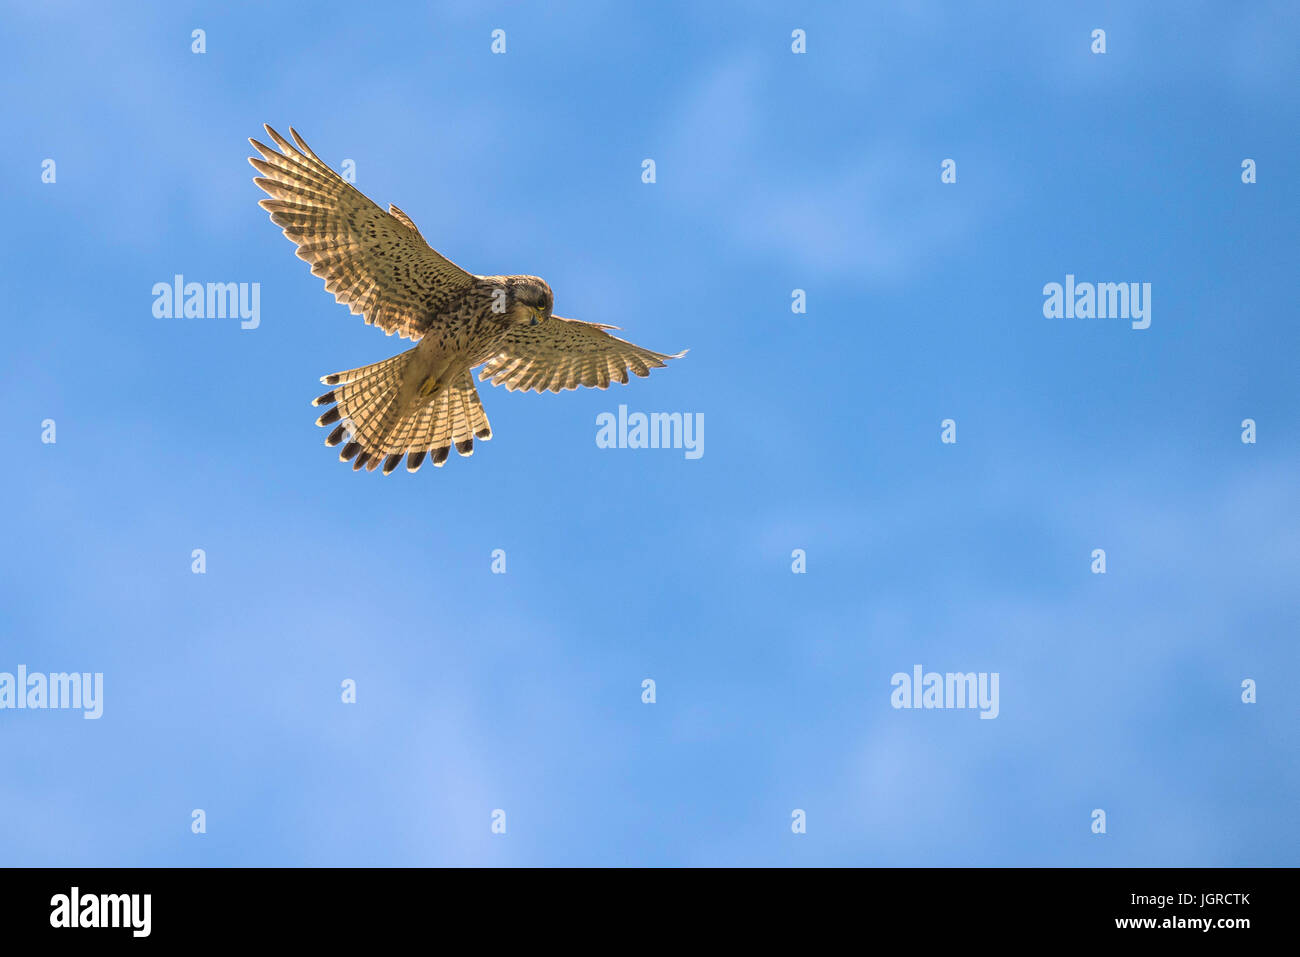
(424, 400)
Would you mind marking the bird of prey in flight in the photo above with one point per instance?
(424, 400)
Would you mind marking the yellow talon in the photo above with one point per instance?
(428, 387)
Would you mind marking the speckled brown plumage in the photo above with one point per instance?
(424, 401)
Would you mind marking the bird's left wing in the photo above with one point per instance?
(562, 354)
(376, 263)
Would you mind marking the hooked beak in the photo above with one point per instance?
(537, 317)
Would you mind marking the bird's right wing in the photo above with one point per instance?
(566, 353)
(376, 263)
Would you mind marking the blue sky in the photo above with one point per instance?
(522, 692)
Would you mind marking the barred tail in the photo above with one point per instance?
(376, 427)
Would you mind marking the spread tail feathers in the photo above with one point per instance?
(375, 428)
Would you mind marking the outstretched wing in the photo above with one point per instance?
(376, 263)
(565, 353)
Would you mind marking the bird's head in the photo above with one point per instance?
(532, 300)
